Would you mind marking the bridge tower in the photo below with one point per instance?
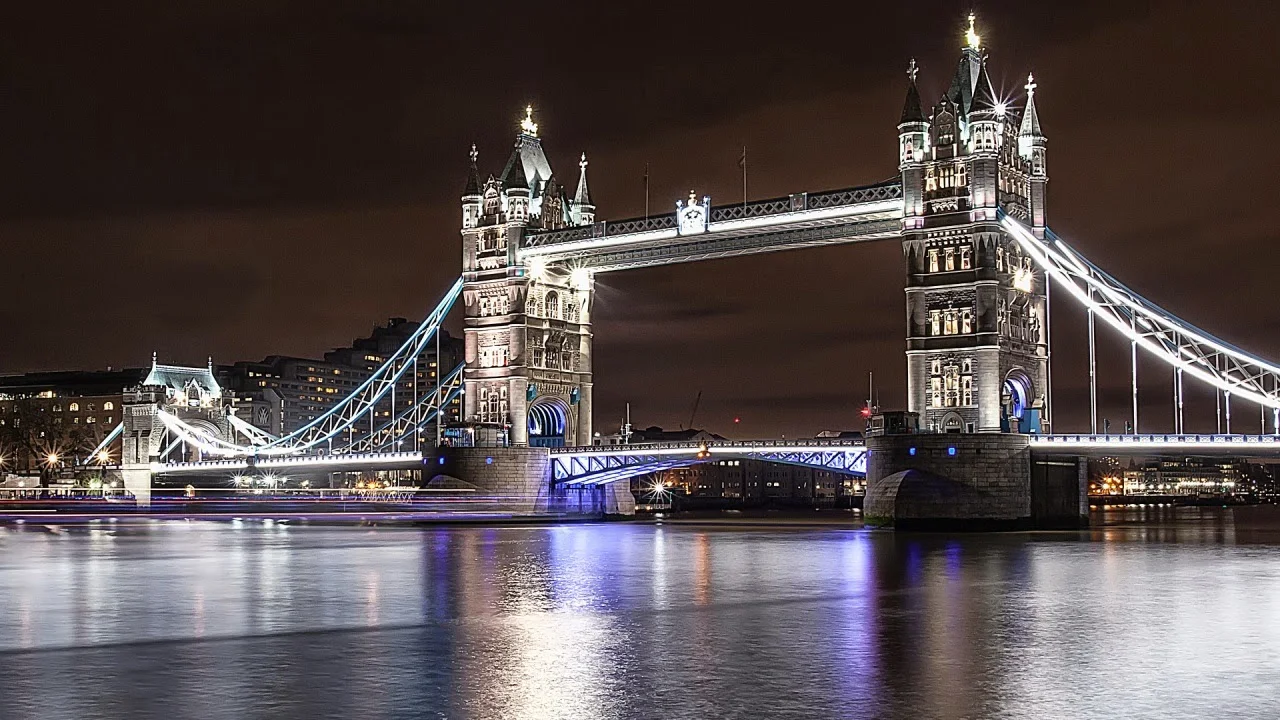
(527, 325)
(977, 336)
(191, 394)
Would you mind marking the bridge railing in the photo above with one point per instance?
(1157, 440)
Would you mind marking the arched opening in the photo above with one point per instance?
(952, 423)
(548, 419)
(1015, 400)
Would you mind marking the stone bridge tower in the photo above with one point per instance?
(527, 325)
(977, 330)
(191, 394)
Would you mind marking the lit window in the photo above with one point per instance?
(966, 260)
(951, 259)
(108, 405)
(933, 260)
(935, 322)
(966, 321)
(74, 407)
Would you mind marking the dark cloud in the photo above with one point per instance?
(242, 178)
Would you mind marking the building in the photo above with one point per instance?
(528, 327)
(281, 394)
(49, 420)
(1190, 477)
(977, 352)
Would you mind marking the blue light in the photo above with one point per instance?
(441, 459)
(488, 461)
(912, 451)
(951, 451)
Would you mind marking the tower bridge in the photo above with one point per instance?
(969, 208)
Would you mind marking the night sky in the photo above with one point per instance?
(249, 178)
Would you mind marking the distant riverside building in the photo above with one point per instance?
(1189, 477)
(61, 415)
(281, 394)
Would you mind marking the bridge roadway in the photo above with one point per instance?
(600, 464)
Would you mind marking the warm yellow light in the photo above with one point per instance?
(52, 458)
(104, 457)
(538, 267)
(971, 36)
(527, 125)
(580, 278)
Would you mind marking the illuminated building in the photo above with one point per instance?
(977, 345)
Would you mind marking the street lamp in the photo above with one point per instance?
(52, 459)
(104, 457)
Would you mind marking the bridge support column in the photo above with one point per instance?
(137, 481)
(982, 481)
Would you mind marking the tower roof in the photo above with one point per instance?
(473, 176)
(965, 82)
(1031, 118)
(911, 109)
(514, 174)
(583, 196)
(984, 98)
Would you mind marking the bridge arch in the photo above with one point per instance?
(548, 422)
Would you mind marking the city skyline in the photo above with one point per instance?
(759, 353)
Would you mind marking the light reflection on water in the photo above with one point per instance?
(1157, 613)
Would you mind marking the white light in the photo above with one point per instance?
(537, 267)
(580, 278)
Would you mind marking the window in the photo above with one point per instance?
(1000, 259)
(933, 260)
(935, 391)
(966, 389)
(74, 407)
(951, 259)
(935, 322)
(935, 367)
(966, 259)
(951, 327)
(495, 356)
(966, 321)
(553, 306)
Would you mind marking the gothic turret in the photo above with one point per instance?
(471, 197)
(584, 211)
(913, 143)
(515, 186)
(1031, 146)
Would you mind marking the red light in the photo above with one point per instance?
(866, 412)
(737, 420)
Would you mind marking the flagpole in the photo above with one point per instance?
(646, 191)
(744, 179)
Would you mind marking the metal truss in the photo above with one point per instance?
(606, 464)
(338, 419)
(392, 434)
(1158, 331)
(254, 434)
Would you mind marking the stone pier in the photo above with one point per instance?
(979, 481)
(518, 480)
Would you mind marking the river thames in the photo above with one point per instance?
(1155, 614)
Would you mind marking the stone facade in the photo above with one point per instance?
(518, 480)
(939, 480)
(527, 325)
(977, 331)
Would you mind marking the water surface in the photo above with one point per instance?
(1158, 614)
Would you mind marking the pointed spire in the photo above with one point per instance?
(912, 112)
(972, 40)
(515, 177)
(583, 196)
(984, 98)
(1031, 118)
(473, 177)
(154, 355)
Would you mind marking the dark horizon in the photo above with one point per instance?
(240, 180)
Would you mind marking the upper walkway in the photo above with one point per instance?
(870, 212)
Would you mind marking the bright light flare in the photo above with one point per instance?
(580, 278)
(537, 267)
(51, 459)
(104, 457)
